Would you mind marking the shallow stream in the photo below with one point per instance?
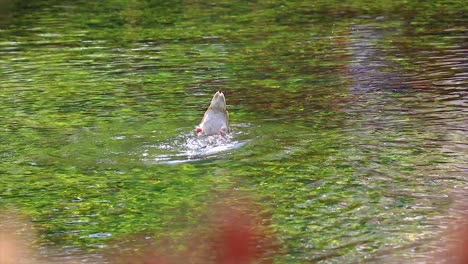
(349, 122)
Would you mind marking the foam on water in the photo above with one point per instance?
(187, 147)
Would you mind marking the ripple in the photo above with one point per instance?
(187, 147)
(100, 235)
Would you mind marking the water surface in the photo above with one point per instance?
(349, 122)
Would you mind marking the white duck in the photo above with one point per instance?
(216, 118)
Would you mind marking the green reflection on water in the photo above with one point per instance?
(88, 88)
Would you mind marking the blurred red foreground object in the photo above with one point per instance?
(232, 235)
(238, 242)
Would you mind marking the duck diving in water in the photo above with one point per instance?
(208, 140)
(216, 118)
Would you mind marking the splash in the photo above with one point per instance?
(186, 147)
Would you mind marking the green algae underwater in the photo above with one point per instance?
(349, 122)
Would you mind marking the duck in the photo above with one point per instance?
(216, 118)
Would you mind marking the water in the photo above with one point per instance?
(188, 147)
(349, 123)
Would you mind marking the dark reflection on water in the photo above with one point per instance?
(349, 123)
